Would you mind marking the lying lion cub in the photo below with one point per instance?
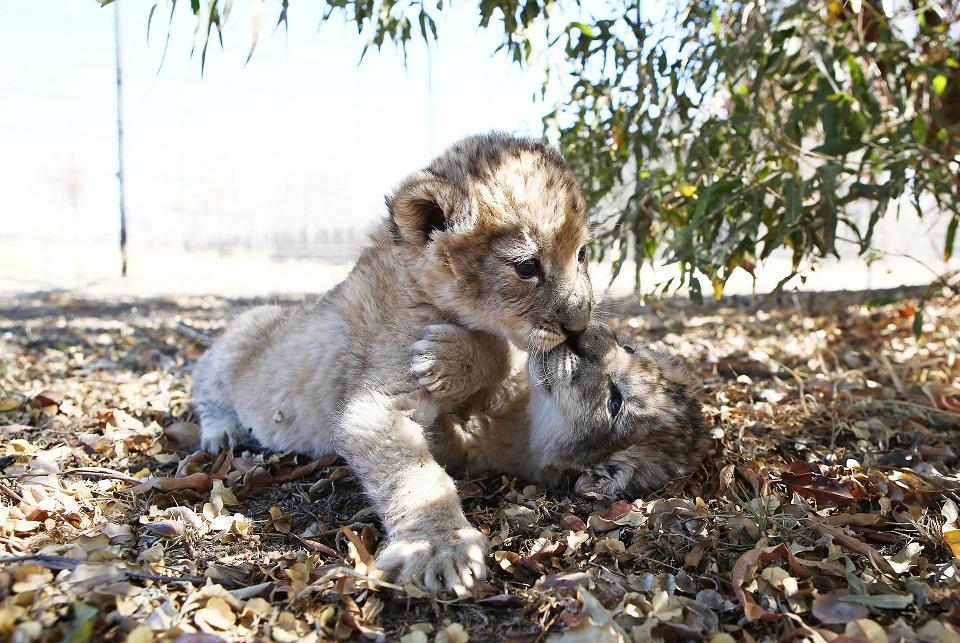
(629, 413)
(489, 236)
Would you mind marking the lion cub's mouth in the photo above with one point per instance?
(540, 340)
(555, 368)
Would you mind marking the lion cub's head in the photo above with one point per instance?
(498, 229)
(630, 413)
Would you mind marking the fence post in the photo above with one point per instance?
(120, 167)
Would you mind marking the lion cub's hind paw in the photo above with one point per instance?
(453, 563)
(217, 434)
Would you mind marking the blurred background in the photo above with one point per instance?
(261, 177)
(251, 178)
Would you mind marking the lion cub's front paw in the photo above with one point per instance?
(448, 561)
(611, 482)
(439, 362)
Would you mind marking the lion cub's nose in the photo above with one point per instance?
(575, 313)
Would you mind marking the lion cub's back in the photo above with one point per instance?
(246, 338)
(262, 370)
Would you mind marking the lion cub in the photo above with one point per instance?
(627, 418)
(490, 236)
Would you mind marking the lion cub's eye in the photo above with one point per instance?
(527, 268)
(582, 254)
(630, 349)
(615, 403)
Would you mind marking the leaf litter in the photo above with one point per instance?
(827, 508)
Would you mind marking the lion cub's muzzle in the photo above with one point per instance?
(561, 364)
(581, 353)
(592, 344)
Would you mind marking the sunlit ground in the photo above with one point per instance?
(828, 504)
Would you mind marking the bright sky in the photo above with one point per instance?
(300, 138)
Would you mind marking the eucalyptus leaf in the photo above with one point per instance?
(881, 601)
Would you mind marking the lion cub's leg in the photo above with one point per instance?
(430, 540)
(454, 363)
(633, 470)
(219, 424)
(221, 428)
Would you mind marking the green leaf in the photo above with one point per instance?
(793, 195)
(918, 322)
(939, 84)
(783, 282)
(153, 9)
(881, 601)
(951, 238)
(856, 584)
(84, 619)
(696, 292)
(919, 130)
(839, 146)
(255, 19)
(827, 208)
(585, 30)
(882, 300)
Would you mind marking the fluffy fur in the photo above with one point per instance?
(557, 418)
(335, 376)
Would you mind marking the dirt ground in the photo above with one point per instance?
(828, 507)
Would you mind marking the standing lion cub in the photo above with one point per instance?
(490, 236)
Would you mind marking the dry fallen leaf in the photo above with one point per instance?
(194, 481)
(592, 622)
(952, 540)
(216, 616)
(830, 608)
(280, 520)
(742, 568)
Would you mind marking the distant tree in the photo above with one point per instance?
(713, 133)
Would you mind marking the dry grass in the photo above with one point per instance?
(828, 506)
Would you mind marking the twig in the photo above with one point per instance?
(101, 472)
(10, 493)
(61, 562)
(796, 376)
(194, 580)
(341, 570)
(897, 384)
(546, 628)
(82, 472)
(924, 407)
(192, 333)
(856, 546)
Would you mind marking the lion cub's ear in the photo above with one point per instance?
(424, 204)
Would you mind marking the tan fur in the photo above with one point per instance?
(555, 419)
(335, 376)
